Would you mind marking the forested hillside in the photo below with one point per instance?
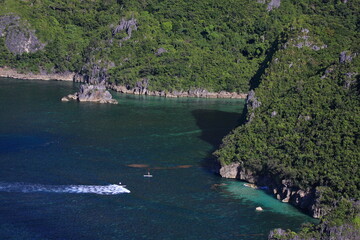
(299, 58)
(217, 45)
(304, 118)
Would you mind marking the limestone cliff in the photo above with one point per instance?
(283, 189)
(19, 38)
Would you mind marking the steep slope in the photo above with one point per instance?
(302, 135)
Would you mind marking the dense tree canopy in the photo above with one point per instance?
(301, 59)
(218, 45)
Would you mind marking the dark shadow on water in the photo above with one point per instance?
(214, 126)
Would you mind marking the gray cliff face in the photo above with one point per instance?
(346, 57)
(271, 5)
(345, 231)
(230, 171)
(6, 21)
(284, 190)
(327, 231)
(342, 232)
(19, 38)
(94, 72)
(252, 103)
(349, 78)
(160, 51)
(126, 25)
(304, 40)
(141, 87)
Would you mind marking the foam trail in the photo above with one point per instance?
(112, 189)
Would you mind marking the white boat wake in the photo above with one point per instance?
(112, 189)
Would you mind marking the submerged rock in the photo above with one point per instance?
(259, 209)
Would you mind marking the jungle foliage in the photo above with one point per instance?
(306, 123)
(307, 127)
(217, 45)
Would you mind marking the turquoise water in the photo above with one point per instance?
(59, 163)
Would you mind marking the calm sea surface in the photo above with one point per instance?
(58, 162)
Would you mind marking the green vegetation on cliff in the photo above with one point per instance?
(301, 60)
(217, 45)
(304, 116)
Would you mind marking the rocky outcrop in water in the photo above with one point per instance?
(91, 93)
(19, 38)
(283, 189)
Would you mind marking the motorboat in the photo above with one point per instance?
(121, 185)
(148, 175)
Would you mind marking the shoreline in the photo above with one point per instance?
(12, 73)
(283, 190)
(7, 72)
(197, 93)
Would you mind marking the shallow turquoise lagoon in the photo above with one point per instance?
(59, 161)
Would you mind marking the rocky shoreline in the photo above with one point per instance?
(196, 93)
(139, 89)
(12, 73)
(283, 189)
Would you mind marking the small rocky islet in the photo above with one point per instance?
(91, 93)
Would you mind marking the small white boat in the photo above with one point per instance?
(148, 175)
(121, 185)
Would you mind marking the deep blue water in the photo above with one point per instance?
(57, 161)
